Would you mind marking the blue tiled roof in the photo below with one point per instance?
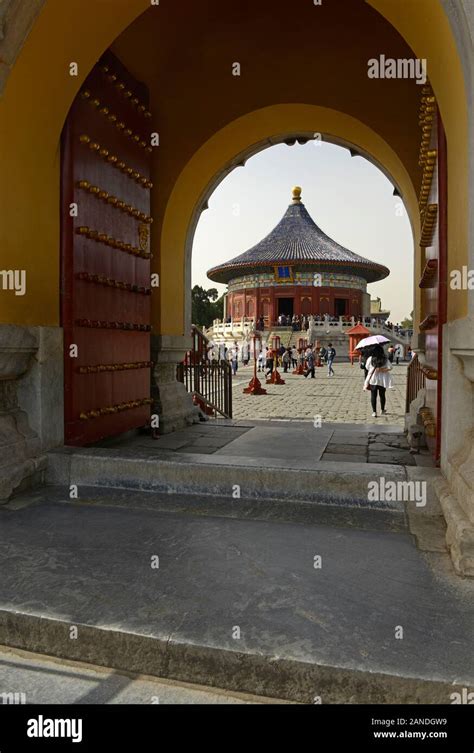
(297, 239)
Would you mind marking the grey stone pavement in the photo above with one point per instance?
(237, 601)
(89, 565)
(336, 399)
(49, 680)
(295, 443)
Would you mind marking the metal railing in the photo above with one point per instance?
(416, 380)
(209, 380)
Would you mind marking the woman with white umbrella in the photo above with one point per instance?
(378, 378)
(365, 348)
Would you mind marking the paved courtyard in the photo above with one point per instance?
(337, 399)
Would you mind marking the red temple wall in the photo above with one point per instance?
(306, 300)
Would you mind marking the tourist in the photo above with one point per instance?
(378, 378)
(223, 352)
(331, 354)
(398, 354)
(294, 357)
(286, 358)
(269, 361)
(301, 357)
(260, 361)
(309, 364)
(323, 354)
(391, 351)
(234, 360)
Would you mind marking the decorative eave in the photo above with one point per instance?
(430, 274)
(225, 273)
(428, 220)
(429, 322)
(427, 157)
(429, 371)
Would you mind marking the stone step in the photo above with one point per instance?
(236, 604)
(189, 661)
(263, 488)
(316, 511)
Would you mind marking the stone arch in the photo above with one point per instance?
(231, 147)
(39, 38)
(437, 28)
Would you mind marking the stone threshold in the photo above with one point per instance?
(318, 511)
(247, 671)
(261, 478)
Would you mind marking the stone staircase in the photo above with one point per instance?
(284, 333)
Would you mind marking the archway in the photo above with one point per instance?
(437, 30)
(353, 202)
(425, 24)
(234, 144)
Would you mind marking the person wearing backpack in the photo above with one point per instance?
(309, 364)
(330, 356)
(294, 357)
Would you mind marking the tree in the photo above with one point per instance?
(206, 306)
(407, 323)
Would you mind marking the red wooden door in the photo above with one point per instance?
(105, 256)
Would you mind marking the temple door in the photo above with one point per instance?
(324, 305)
(306, 306)
(105, 255)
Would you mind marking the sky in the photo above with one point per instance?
(348, 197)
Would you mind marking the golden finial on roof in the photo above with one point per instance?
(296, 190)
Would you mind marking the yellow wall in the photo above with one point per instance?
(198, 105)
(194, 96)
(426, 28)
(33, 108)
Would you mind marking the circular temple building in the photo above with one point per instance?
(297, 269)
